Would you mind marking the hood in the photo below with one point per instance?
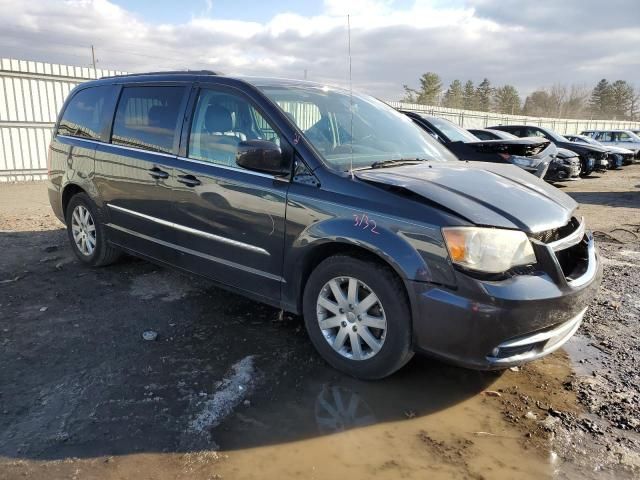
(524, 147)
(581, 148)
(565, 153)
(624, 151)
(487, 194)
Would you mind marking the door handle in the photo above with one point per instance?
(189, 180)
(155, 172)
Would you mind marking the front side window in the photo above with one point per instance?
(147, 117)
(222, 120)
(624, 137)
(534, 132)
(84, 116)
(358, 128)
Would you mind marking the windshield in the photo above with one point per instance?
(553, 136)
(453, 132)
(504, 135)
(589, 140)
(585, 139)
(377, 133)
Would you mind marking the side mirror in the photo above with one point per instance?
(262, 156)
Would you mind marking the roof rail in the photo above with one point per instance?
(169, 72)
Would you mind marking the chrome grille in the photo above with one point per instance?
(569, 247)
(555, 234)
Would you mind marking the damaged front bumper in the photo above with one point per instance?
(485, 324)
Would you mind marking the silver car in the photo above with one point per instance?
(617, 156)
(617, 138)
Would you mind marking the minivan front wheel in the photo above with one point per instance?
(87, 235)
(357, 317)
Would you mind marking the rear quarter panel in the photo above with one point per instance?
(72, 161)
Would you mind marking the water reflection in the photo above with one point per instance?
(310, 401)
(427, 421)
(338, 409)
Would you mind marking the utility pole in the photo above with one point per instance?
(93, 57)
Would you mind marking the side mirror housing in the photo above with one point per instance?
(262, 156)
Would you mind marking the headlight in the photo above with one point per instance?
(524, 162)
(489, 250)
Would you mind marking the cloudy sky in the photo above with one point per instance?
(528, 44)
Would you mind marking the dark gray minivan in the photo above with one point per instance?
(325, 204)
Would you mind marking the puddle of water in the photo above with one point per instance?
(584, 357)
(429, 421)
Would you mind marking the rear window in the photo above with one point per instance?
(147, 118)
(84, 116)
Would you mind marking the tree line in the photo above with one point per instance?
(616, 100)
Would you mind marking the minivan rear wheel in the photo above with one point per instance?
(87, 234)
(357, 316)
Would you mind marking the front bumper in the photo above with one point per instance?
(602, 164)
(559, 171)
(497, 324)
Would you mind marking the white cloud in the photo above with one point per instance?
(505, 41)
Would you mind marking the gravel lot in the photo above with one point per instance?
(233, 389)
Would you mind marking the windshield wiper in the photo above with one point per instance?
(394, 163)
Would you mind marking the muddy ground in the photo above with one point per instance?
(233, 389)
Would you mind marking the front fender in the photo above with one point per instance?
(415, 252)
(364, 232)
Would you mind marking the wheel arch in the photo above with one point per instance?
(69, 191)
(317, 253)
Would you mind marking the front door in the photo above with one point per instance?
(231, 220)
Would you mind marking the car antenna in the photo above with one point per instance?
(350, 94)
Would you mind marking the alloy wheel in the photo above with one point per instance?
(83, 229)
(351, 318)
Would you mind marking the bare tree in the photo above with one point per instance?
(576, 103)
(634, 108)
(558, 97)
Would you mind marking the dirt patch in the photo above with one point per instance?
(82, 395)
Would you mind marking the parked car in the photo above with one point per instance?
(617, 156)
(617, 138)
(325, 204)
(591, 157)
(565, 166)
(531, 154)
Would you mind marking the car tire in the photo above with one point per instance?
(381, 352)
(87, 234)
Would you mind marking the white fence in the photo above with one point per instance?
(471, 119)
(32, 93)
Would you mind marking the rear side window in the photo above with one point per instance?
(605, 137)
(148, 118)
(85, 116)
